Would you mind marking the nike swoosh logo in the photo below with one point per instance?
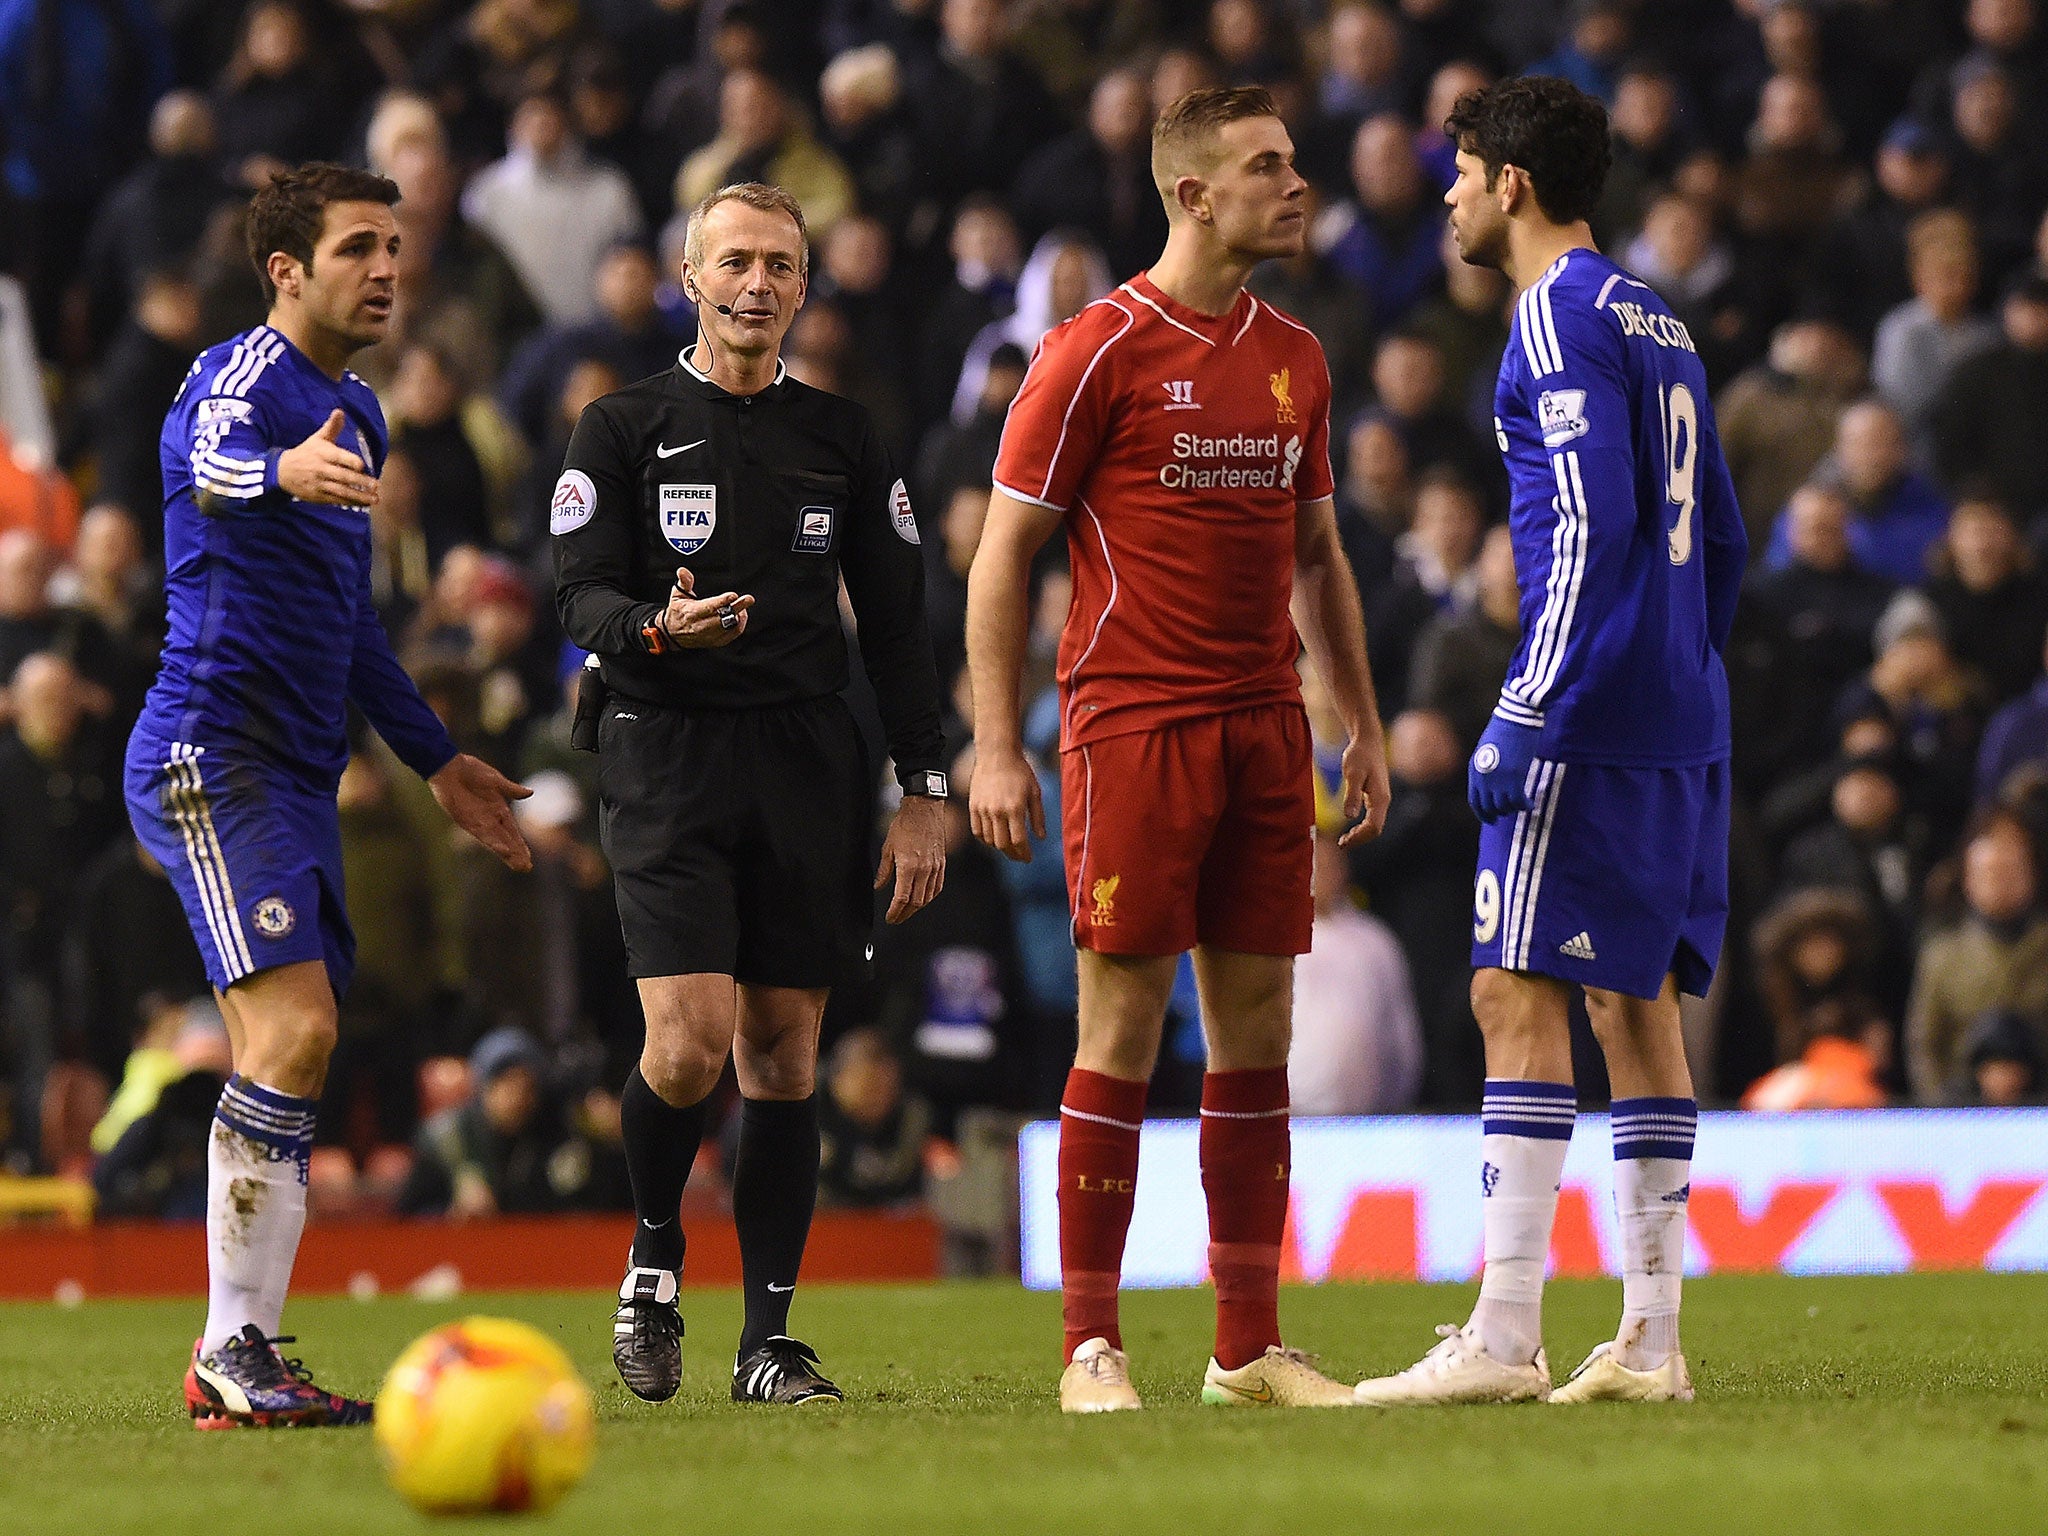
(661, 452)
(781, 1290)
(1263, 1395)
(654, 1226)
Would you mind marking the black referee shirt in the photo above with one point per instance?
(777, 494)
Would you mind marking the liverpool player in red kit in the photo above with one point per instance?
(1180, 429)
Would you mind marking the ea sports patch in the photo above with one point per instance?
(813, 531)
(689, 516)
(901, 515)
(273, 917)
(221, 408)
(1561, 413)
(574, 504)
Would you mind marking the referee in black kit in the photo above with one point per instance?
(701, 526)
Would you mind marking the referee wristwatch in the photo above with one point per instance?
(927, 783)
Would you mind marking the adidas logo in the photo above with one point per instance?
(1579, 947)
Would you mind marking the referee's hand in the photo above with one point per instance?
(703, 623)
(479, 799)
(320, 469)
(915, 854)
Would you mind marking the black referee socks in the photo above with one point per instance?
(774, 1191)
(661, 1145)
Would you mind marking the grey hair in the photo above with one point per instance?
(755, 194)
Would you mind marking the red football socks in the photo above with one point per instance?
(1245, 1164)
(1099, 1121)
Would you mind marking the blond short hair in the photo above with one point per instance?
(1184, 135)
(755, 194)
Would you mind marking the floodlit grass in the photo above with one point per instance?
(1912, 1403)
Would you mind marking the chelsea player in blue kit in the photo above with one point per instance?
(270, 458)
(1602, 778)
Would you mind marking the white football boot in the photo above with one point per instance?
(1458, 1370)
(1098, 1380)
(1601, 1378)
(1280, 1378)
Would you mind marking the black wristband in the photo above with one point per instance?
(927, 783)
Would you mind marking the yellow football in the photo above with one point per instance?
(484, 1414)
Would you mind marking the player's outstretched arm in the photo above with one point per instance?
(320, 469)
(1004, 805)
(1332, 625)
(479, 799)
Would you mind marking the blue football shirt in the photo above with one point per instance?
(1629, 547)
(272, 628)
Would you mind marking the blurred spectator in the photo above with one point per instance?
(552, 210)
(122, 421)
(1989, 422)
(483, 57)
(628, 334)
(762, 137)
(1099, 178)
(1435, 572)
(2016, 738)
(1998, 175)
(1815, 956)
(454, 284)
(1462, 654)
(979, 108)
(399, 868)
(1467, 323)
(1452, 79)
(153, 221)
(1870, 848)
(1995, 959)
(77, 81)
(109, 579)
(28, 439)
(680, 110)
(1897, 515)
(426, 402)
(1357, 1043)
(1304, 286)
(957, 458)
(1993, 602)
(126, 950)
(1362, 76)
(871, 1133)
(1842, 1067)
(1068, 42)
(1693, 269)
(1934, 709)
(274, 106)
(1417, 874)
(1385, 239)
(1859, 271)
(1648, 147)
(856, 272)
(502, 1152)
(1597, 37)
(986, 265)
(951, 1002)
(1065, 274)
(869, 127)
(1796, 178)
(1920, 343)
(1778, 419)
(154, 1161)
(1408, 387)
(2004, 1056)
(1375, 499)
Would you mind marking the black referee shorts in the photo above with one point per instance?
(739, 841)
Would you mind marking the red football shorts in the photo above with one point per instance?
(1200, 832)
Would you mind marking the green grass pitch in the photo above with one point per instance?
(1911, 1404)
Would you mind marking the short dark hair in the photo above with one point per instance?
(1549, 128)
(287, 212)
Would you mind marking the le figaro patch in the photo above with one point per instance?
(689, 516)
(574, 503)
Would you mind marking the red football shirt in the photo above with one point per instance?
(1178, 445)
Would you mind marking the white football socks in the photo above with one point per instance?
(256, 1163)
(1527, 1129)
(1653, 1140)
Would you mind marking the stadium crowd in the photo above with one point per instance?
(1843, 200)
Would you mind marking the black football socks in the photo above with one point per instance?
(661, 1145)
(774, 1192)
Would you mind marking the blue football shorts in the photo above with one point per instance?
(255, 859)
(1613, 878)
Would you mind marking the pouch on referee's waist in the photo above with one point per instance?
(591, 694)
